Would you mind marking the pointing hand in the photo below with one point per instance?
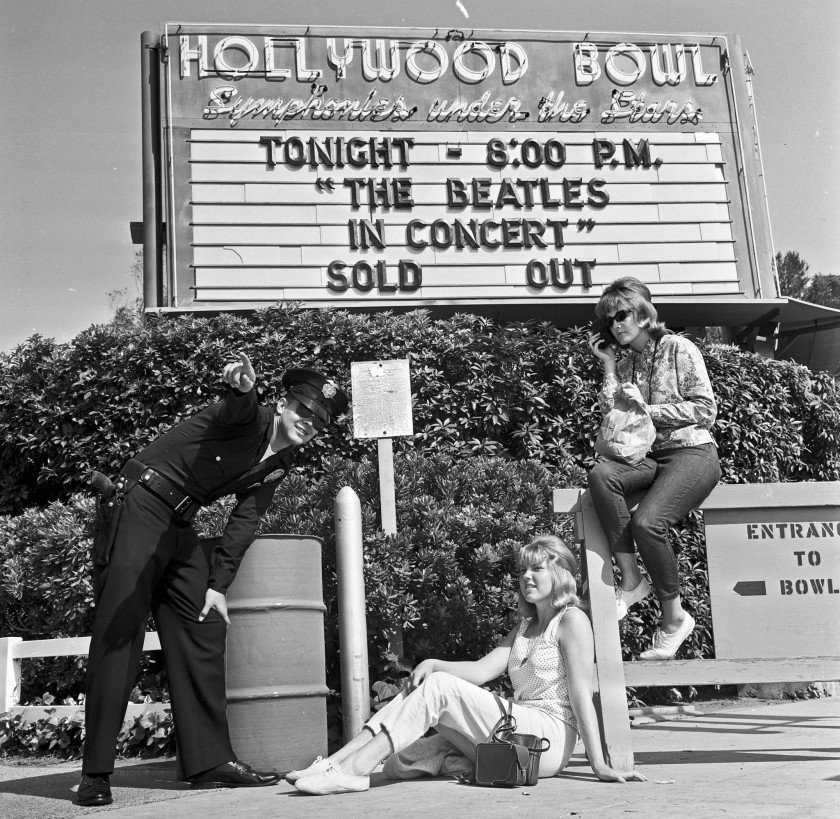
(240, 374)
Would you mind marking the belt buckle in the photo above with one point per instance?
(183, 504)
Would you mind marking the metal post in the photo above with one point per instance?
(388, 505)
(150, 100)
(387, 490)
(352, 625)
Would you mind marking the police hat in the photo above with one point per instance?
(322, 395)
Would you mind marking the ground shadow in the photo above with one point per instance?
(152, 776)
(687, 757)
(724, 722)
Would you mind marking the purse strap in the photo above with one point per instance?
(506, 724)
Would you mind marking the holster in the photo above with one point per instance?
(109, 506)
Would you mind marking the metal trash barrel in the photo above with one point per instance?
(276, 677)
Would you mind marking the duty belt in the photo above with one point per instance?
(161, 487)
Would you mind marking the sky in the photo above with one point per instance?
(70, 151)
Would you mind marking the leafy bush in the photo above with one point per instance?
(446, 578)
(502, 415)
(524, 390)
(146, 735)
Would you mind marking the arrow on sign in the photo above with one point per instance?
(750, 588)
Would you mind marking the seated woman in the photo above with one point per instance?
(549, 657)
(664, 373)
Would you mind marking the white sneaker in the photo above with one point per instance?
(665, 645)
(625, 599)
(332, 780)
(318, 766)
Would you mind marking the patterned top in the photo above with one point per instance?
(538, 672)
(676, 387)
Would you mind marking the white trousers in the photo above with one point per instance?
(465, 715)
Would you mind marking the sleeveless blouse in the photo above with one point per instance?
(538, 673)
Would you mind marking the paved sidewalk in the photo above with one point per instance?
(774, 760)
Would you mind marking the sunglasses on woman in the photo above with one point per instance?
(619, 316)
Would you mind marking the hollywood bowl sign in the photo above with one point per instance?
(389, 168)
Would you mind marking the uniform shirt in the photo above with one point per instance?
(672, 378)
(217, 452)
(537, 671)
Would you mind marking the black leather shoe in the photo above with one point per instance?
(234, 774)
(94, 790)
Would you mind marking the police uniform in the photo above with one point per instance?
(157, 564)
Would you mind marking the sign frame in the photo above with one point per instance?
(750, 222)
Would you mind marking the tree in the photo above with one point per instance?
(793, 274)
(128, 306)
(824, 290)
(794, 281)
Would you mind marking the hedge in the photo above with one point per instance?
(446, 578)
(523, 390)
(502, 413)
(146, 735)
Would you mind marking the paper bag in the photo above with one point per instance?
(626, 434)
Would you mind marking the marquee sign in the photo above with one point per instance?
(401, 167)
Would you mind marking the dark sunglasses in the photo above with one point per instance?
(619, 316)
(308, 415)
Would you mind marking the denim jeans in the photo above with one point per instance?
(677, 480)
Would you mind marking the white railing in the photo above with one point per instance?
(15, 649)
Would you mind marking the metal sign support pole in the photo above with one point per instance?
(387, 487)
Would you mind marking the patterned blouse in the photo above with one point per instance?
(538, 673)
(672, 377)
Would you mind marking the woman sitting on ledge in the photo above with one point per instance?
(549, 657)
(665, 374)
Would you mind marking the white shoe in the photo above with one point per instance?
(625, 599)
(332, 780)
(665, 645)
(318, 766)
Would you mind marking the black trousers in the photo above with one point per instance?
(157, 565)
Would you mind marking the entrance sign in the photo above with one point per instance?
(381, 399)
(774, 574)
(381, 168)
(782, 507)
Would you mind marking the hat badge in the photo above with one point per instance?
(329, 389)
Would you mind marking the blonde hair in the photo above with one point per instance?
(633, 292)
(562, 566)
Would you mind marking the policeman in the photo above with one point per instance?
(149, 558)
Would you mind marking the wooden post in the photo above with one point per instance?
(611, 700)
(9, 672)
(615, 718)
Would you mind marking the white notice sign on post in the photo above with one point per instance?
(381, 399)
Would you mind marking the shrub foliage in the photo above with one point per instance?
(146, 735)
(522, 390)
(502, 415)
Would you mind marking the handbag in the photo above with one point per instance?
(626, 434)
(509, 759)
